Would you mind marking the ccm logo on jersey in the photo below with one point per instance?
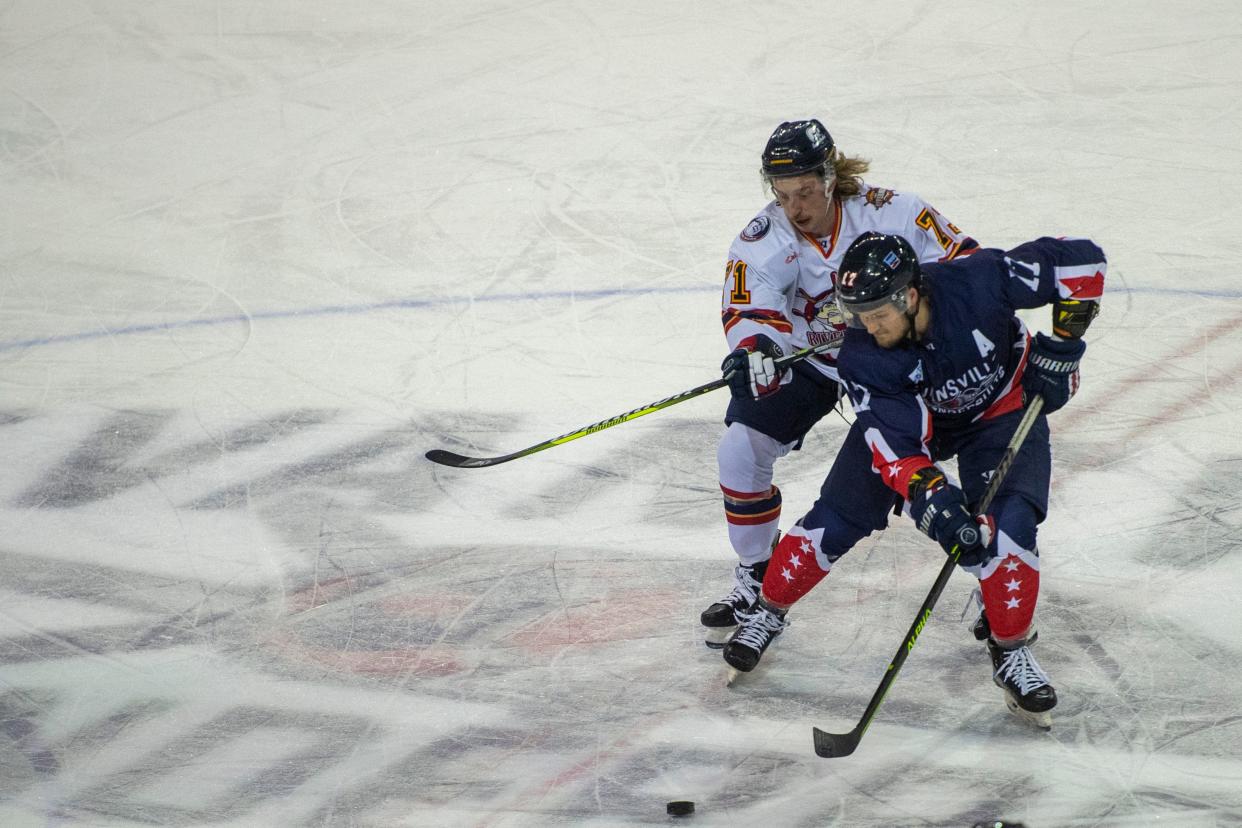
(757, 229)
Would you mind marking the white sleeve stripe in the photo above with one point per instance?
(878, 444)
(1077, 271)
(925, 416)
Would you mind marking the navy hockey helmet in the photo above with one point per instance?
(797, 148)
(876, 271)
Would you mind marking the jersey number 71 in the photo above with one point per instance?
(736, 270)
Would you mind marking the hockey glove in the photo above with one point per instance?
(1072, 317)
(1052, 370)
(939, 510)
(751, 370)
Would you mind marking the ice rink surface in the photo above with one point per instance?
(258, 257)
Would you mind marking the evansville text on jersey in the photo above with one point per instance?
(969, 390)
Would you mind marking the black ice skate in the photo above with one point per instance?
(721, 617)
(1028, 692)
(756, 630)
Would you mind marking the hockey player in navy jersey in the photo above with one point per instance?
(937, 365)
(779, 297)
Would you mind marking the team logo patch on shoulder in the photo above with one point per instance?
(877, 197)
(757, 229)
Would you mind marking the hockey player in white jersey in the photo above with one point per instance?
(779, 297)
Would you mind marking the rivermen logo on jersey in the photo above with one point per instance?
(877, 197)
(757, 229)
(825, 325)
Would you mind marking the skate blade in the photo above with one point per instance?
(716, 637)
(732, 676)
(1041, 720)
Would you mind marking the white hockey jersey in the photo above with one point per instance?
(781, 282)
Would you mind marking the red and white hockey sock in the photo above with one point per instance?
(1010, 587)
(754, 518)
(797, 566)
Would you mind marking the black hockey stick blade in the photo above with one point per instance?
(461, 461)
(833, 745)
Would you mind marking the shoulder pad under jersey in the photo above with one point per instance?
(886, 370)
(884, 210)
(768, 243)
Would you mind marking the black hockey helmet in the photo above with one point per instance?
(797, 148)
(875, 271)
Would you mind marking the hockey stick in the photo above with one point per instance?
(830, 745)
(460, 461)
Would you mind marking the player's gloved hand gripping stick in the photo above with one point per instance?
(754, 370)
(448, 458)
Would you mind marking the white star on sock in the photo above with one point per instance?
(1013, 603)
(1014, 585)
(787, 575)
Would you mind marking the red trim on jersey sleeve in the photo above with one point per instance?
(894, 469)
(1087, 287)
(1082, 282)
(730, 317)
(896, 474)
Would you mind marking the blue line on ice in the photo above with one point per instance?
(444, 302)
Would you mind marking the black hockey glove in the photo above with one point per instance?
(751, 370)
(1052, 370)
(939, 510)
(1072, 317)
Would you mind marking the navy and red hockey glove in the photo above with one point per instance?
(751, 370)
(939, 510)
(1052, 370)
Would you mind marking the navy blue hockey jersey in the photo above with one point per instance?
(968, 366)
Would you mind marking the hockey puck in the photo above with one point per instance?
(680, 807)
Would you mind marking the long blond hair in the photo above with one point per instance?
(849, 170)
